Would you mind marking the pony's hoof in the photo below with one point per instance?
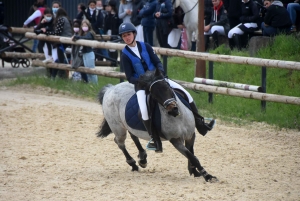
(135, 168)
(211, 179)
(143, 165)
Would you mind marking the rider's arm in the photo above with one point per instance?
(154, 58)
(129, 71)
(36, 14)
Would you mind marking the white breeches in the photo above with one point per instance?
(236, 30)
(141, 97)
(217, 28)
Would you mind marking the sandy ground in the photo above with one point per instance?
(49, 151)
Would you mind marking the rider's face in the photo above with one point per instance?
(128, 37)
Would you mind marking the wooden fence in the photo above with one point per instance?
(189, 85)
(291, 65)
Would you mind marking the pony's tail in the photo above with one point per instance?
(104, 129)
(102, 92)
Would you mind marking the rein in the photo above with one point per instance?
(188, 10)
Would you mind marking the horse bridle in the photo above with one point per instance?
(188, 10)
(168, 101)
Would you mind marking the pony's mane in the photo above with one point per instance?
(148, 77)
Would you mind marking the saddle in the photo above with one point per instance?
(133, 115)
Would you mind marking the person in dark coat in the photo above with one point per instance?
(248, 19)
(148, 21)
(207, 11)
(277, 20)
(178, 17)
(112, 23)
(137, 5)
(233, 9)
(164, 21)
(92, 14)
(218, 24)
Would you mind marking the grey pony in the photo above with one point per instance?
(178, 130)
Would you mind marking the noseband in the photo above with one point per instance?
(168, 101)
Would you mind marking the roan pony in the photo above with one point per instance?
(178, 130)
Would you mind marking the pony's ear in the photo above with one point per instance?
(157, 72)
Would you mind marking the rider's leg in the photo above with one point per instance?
(201, 126)
(141, 97)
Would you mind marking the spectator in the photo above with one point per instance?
(277, 20)
(137, 5)
(148, 21)
(36, 16)
(248, 19)
(92, 14)
(79, 10)
(87, 33)
(112, 23)
(46, 22)
(218, 24)
(76, 56)
(62, 27)
(292, 8)
(178, 25)
(163, 15)
(207, 11)
(233, 10)
(125, 10)
(267, 3)
(55, 6)
(100, 8)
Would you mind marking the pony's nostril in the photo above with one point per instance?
(174, 112)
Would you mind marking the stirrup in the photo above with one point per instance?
(149, 143)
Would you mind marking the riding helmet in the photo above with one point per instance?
(126, 27)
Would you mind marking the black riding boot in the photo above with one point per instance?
(157, 142)
(231, 43)
(237, 40)
(201, 126)
(206, 40)
(215, 37)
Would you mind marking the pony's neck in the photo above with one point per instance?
(187, 5)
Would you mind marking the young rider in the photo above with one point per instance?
(139, 57)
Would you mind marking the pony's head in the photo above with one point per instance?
(155, 84)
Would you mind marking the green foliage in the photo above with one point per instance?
(279, 81)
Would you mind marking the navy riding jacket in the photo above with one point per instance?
(129, 68)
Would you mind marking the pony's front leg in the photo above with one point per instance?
(120, 141)
(178, 144)
(142, 152)
(189, 144)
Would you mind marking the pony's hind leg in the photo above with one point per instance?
(178, 144)
(120, 141)
(142, 152)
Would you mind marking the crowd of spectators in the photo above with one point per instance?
(231, 18)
